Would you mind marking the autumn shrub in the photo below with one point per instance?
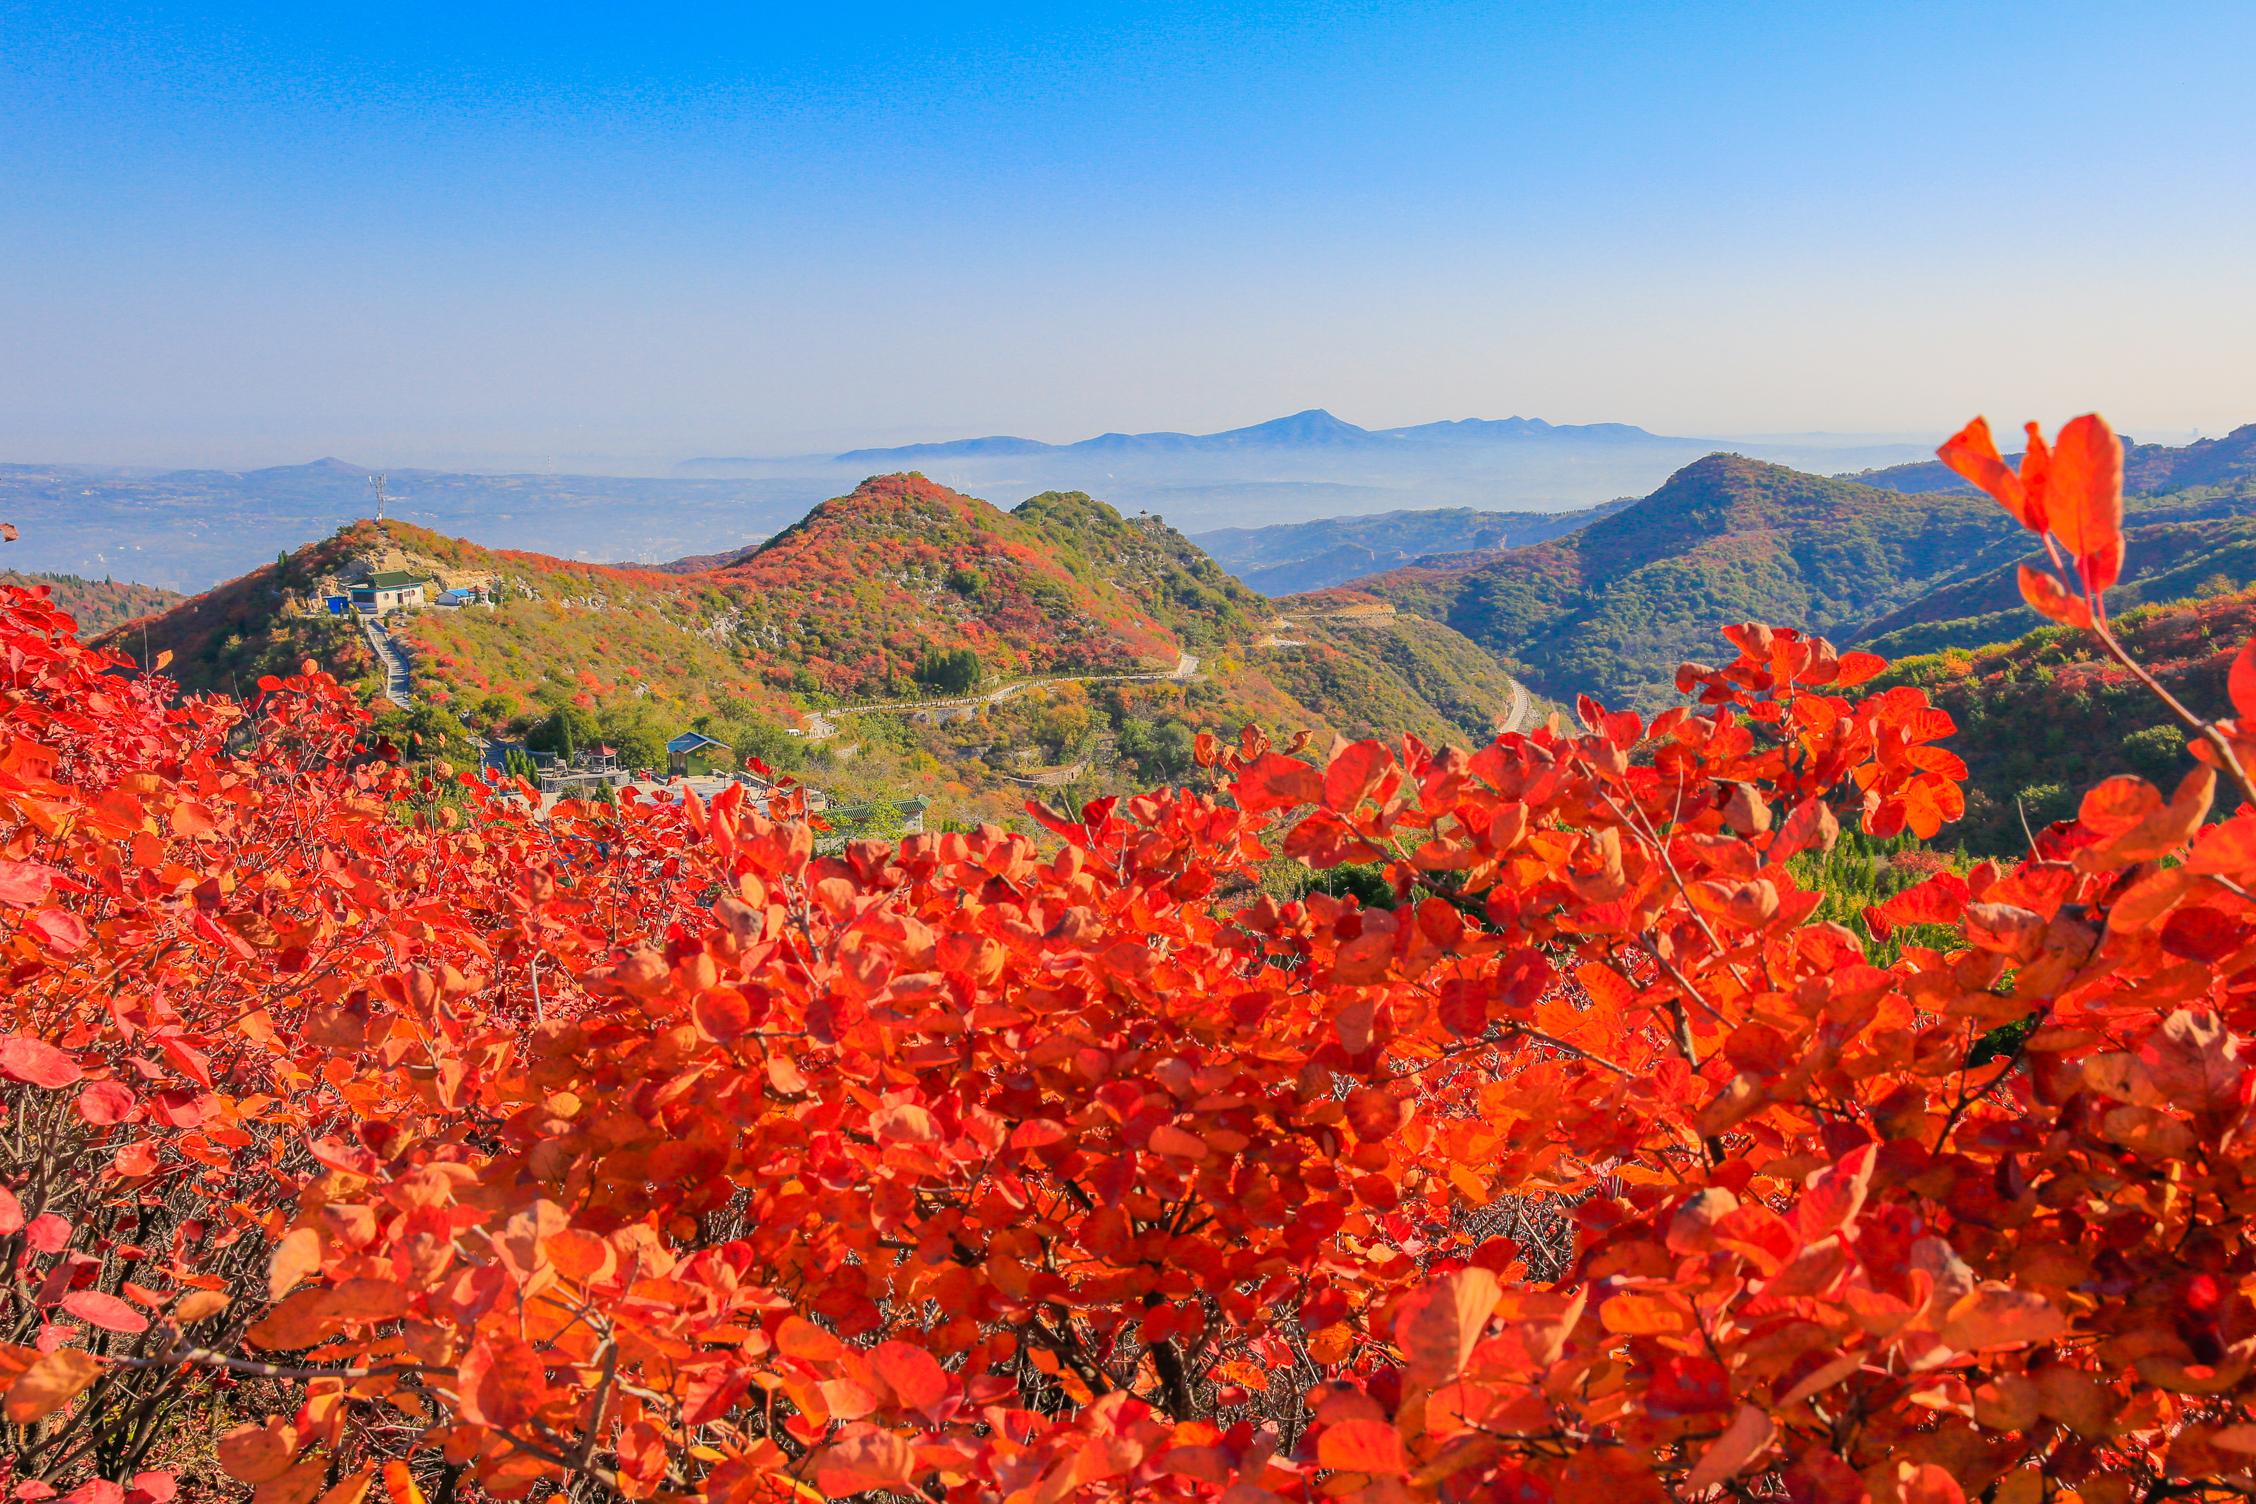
(644, 1152)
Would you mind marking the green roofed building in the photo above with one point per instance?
(389, 590)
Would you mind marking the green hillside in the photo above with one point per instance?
(1614, 608)
(1292, 557)
(2167, 561)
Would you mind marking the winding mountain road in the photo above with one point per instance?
(821, 725)
(1519, 706)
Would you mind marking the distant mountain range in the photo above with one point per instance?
(1470, 485)
(1493, 613)
(1314, 428)
(1314, 464)
(186, 529)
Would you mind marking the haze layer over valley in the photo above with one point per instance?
(188, 529)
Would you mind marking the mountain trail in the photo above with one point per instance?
(822, 724)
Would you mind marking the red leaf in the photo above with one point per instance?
(11, 1212)
(1688, 1386)
(2084, 495)
(1941, 899)
(1361, 1446)
(1354, 774)
(105, 1311)
(2241, 682)
(1973, 454)
(35, 1062)
(187, 1057)
(501, 1382)
(62, 931)
(23, 884)
(1441, 1320)
(103, 1103)
(1858, 667)
(2045, 594)
(1274, 782)
(865, 1462)
(915, 1377)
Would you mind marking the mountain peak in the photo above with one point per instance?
(1311, 425)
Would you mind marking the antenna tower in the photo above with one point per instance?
(376, 484)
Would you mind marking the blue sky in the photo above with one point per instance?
(502, 233)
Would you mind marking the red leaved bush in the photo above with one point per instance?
(646, 1152)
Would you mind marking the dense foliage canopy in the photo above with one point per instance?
(644, 1152)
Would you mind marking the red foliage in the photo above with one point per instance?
(650, 1147)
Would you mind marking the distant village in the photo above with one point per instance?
(373, 588)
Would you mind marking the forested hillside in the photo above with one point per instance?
(1612, 609)
(1296, 556)
(96, 605)
(1911, 566)
(1082, 650)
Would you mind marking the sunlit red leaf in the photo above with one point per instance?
(105, 1311)
(1974, 454)
(35, 1062)
(2084, 498)
(1361, 1446)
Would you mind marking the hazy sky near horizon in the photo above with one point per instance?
(509, 234)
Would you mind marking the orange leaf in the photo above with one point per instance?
(1355, 774)
(2084, 497)
(1994, 1315)
(299, 1485)
(1926, 1484)
(1361, 1446)
(350, 1490)
(1644, 1314)
(916, 1379)
(52, 1381)
(1441, 1321)
(800, 1338)
(501, 1382)
(864, 1463)
(1173, 1142)
(2046, 596)
(199, 1305)
(400, 1484)
(296, 1257)
(261, 1450)
(1974, 454)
